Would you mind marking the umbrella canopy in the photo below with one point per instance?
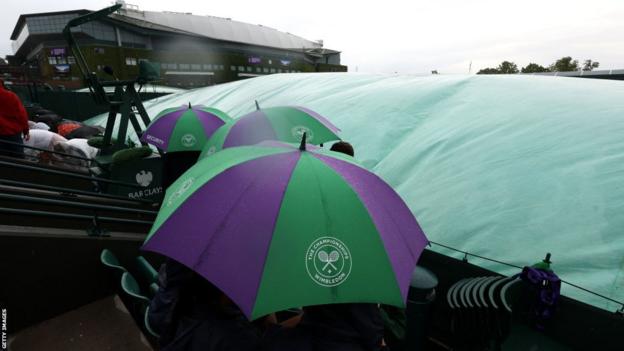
(276, 227)
(184, 128)
(283, 123)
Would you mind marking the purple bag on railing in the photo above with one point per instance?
(547, 285)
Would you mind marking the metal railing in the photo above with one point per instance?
(70, 191)
(84, 205)
(70, 174)
(73, 216)
(63, 205)
(63, 213)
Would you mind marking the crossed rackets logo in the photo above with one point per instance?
(188, 140)
(297, 133)
(328, 261)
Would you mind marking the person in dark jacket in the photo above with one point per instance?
(190, 313)
(221, 328)
(344, 327)
(173, 280)
(13, 123)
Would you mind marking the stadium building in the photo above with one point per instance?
(191, 50)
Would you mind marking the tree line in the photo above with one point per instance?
(564, 64)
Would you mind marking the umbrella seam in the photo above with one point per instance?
(292, 171)
(412, 255)
(220, 227)
(155, 121)
(193, 193)
(356, 192)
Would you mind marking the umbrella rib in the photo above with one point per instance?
(323, 200)
(221, 226)
(292, 171)
(333, 289)
(386, 213)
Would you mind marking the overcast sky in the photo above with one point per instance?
(410, 36)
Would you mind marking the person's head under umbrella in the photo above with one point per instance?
(343, 147)
(190, 313)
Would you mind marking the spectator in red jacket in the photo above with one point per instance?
(13, 123)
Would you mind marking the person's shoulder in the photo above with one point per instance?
(8, 93)
(299, 338)
(10, 97)
(5, 94)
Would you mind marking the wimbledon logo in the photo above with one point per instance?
(181, 190)
(297, 133)
(328, 261)
(188, 140)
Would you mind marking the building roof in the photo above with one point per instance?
(202, 26)
(22, 19)
(216, 28)
(147, 25)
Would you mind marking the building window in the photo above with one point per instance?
(265, 70)
(270, 62)
(52, 60)
(131, 61)
(221, 67)
(279, 70)
(258, 70)
(99, 50)
(196, 67)
(249, 69)
(71, 60)
(185, 66)
(272, 70)
(208, 67)
(241, 69)
(61, 60)
(232, 68)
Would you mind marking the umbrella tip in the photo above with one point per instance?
(189, 104)
(302, 147)
(257, 105)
